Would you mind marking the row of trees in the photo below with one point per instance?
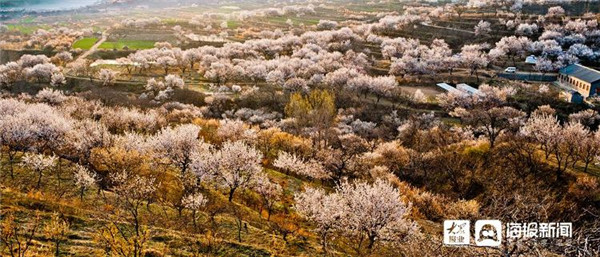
(38, 68)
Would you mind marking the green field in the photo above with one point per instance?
(171, 21)
(25, 28)
(28, 19)
(233, 24)
(85, 43)
(131, 44)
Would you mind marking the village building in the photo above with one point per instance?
(581, 79)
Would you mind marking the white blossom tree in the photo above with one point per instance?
(234, 130)
(166, 62)
(220, 72)
(526, 29)
(292, 163)
(63, 57)
(326, 211)
(555, 12)
(544, 65)
(10, 73)
(41, 72)
(84, 179)
(326, 25)
(192, 56)
(483, 28)
(473, 58)
(419, 96)
(57, 79)
(174, 81)
(375, 212)
(194, 202)
(132, 193)
(107, 77)
(589, 149)
(179, 145)
(512, 47)
(542, 128)
(235, 165)
(367, 213)
(38, 163)
(269, 192)
(491, 122)
(51, 96)
(295, 85)
(568, 145)
(28, 61)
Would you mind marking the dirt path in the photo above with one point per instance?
(94, 47)
(440, 27)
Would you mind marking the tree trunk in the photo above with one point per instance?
(57, 249)
(558, 173)
(371, 242)
(58, 171)
(231, 191)
(11, 158)
(585, 168)
(239, 227)
(324, 243)
(194, 220)
(39, 181)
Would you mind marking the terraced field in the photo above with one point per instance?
(131, 44)
(85, 43)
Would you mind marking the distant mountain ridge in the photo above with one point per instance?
(44, 5)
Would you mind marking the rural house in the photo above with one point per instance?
(582, 79)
